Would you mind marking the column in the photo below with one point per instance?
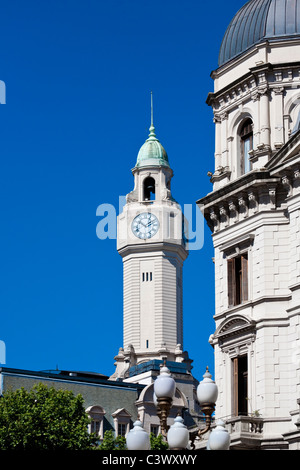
(279, 124)
(218, 136)
(264, 116)
(224, 148)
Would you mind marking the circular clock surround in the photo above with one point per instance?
(145, 226)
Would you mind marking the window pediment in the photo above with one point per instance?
(238, 244)
(95, 410)
(235, 329)
(121, 413)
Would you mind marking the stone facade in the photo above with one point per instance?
(253, 212)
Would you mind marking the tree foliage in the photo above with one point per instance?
(157, 442)
(110, 442)
(43, 419)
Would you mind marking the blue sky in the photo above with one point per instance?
(78, 77)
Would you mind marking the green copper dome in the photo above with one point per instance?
(152, 153)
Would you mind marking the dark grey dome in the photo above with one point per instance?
(258, 20)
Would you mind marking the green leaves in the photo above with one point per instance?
(43, 419)
(157, 442)
(110, 442)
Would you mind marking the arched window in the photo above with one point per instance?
(149, 189)
(246, 135)
(297, 124)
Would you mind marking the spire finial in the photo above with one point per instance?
(152, 135)
(152, 109)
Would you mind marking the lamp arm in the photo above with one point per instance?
(163, 409)
(208, 409)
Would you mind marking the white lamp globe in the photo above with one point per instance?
(164, 385)
(138, 438)
(207, 390)
(219, 438)
(178, 435)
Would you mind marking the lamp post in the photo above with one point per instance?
(207, 394)
(178, 436)
(164, 390)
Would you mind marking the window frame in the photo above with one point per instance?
(246, 135)
(121, 417)
(238, 279)
(96, 414)
(240, 385)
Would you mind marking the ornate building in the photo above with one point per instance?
(254, 215)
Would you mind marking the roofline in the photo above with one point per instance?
(85, 378)
(264, 41)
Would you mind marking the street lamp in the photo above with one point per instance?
(178, 436)
(138, 438)
(207, 394)
(219, 438)
(164, 391)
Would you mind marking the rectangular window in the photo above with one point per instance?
(95, 427)
(154, 429)
(237, 280)
(240, 386)
(122, 429)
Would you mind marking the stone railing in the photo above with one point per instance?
(246, 424)
(245, 431)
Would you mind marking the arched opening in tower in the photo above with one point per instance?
(149, 189)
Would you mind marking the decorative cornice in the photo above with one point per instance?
(148, 248)
(240, 199)
(260, 80)
(235, 242)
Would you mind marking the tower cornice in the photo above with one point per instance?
(154, 248)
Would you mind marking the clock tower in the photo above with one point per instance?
(151, 243)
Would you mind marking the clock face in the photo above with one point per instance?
(145, 226)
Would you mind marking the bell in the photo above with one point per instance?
(150, 188)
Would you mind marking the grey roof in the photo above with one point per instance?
(258, 20)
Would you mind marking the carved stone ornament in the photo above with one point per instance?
(214, 218)
(287, 184)
(243, 207)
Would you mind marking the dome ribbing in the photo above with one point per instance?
(258, 20)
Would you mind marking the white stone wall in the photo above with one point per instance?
(131, 303)
(274, 305)
(153, 307)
